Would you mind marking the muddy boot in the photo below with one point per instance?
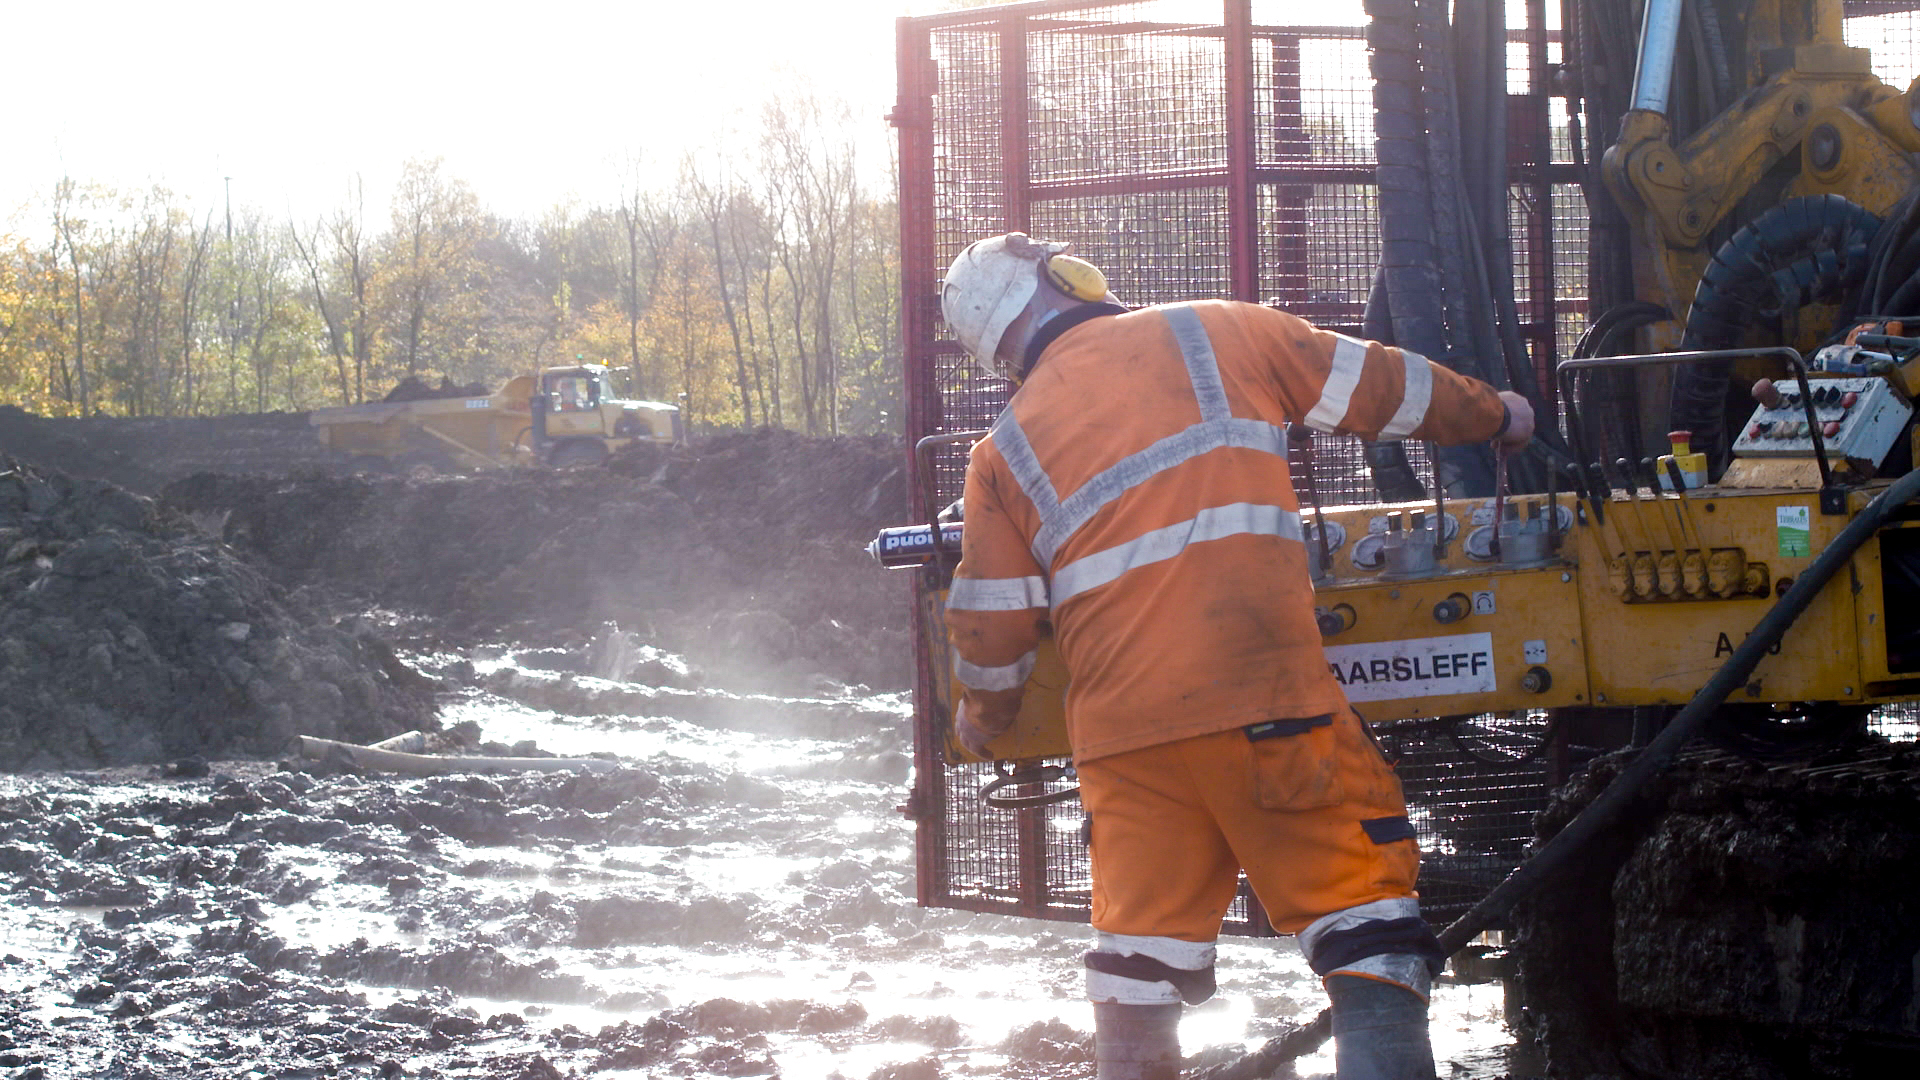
(1136, 1042)
(1379, 1030)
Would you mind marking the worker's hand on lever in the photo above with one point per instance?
(1519, 421)
(970, 734)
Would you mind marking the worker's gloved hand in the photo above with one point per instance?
(1519, 421)
(970, 734)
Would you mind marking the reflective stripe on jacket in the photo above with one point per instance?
(1136, 494)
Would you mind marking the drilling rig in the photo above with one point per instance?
(1689, 230)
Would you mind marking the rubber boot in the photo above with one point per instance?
(1379, 1030)
(1136, 1042)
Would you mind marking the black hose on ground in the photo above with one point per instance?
(1605, 810)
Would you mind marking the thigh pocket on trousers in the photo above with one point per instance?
(1296, 764)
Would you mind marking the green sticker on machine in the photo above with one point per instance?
(1794, 524)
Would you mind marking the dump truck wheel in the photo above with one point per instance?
(578, 455)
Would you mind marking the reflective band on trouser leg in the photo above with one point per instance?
(1004, 677)
(1385, 940)
(1127, 969)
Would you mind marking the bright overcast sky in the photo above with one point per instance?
(533, 104)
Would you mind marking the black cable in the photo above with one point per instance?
(1393, 477)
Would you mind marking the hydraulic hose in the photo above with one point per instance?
(1805, 249)
(1605, 810)
(1409, 260)
(1393, 476)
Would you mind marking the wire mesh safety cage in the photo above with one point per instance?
(1198, 149)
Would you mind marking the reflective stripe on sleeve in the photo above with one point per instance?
(1349, 359)
(1419, 393)
(1214, 523)
(997, 594)
(1005, 677)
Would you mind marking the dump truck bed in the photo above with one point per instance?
(471, 429)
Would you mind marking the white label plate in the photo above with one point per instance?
(1417, 667)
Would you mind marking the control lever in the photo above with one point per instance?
(1619, 571)
(1300, 438)
(1692, 565)
(1653, 546)
(1499, 496)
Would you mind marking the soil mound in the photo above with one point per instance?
(745, 552)
(414, 388)
(142, 454)
(128, 637)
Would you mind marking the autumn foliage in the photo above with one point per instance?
(753, 291)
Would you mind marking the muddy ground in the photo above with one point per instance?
(179, 599)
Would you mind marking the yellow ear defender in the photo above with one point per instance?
(1077, 278)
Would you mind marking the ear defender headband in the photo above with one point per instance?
(1077, 278)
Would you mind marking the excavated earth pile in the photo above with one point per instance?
(1748, 922)
(743, 552)
(127, 636)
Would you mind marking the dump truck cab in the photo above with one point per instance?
(578, 420)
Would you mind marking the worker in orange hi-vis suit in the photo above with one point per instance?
(1135, 494)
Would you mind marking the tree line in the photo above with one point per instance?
(755, 290)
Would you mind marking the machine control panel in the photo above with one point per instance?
(1860, 419)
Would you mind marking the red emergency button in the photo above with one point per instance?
(1830, 428)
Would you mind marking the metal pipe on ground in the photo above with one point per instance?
(373, 759)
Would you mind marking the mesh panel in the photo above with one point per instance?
(1899, 722)
(1313, 100)
(1127, 155)
(1128, 152)
(1569, 249)
(1891, 30)
(1473, 786)
(1173, 244)
(1118, 90)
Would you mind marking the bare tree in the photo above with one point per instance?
(711, 201)
(65, 227)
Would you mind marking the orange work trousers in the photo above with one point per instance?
(1315, 817)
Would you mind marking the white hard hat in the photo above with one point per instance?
(987, 288)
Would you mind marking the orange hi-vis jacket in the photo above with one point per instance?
(1135, 493)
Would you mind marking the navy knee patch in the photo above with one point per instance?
(1340, 948)
(1194, 986)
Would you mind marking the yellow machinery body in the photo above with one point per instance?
(500, 428)
(1639, 607)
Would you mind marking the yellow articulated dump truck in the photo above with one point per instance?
(566, 417)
